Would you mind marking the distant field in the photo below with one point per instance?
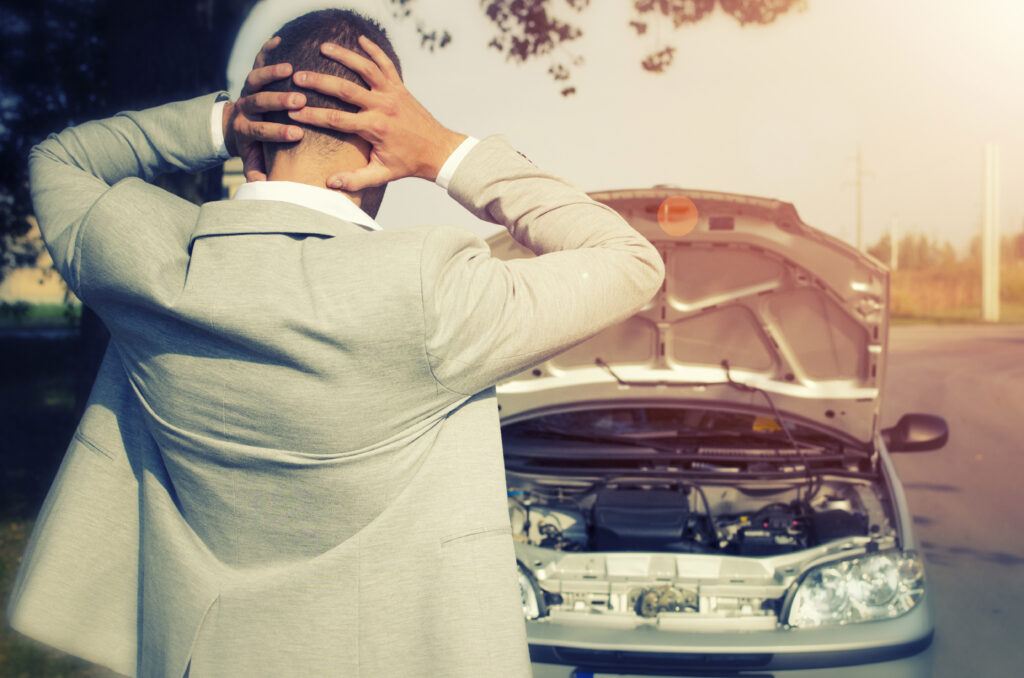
(953, 294)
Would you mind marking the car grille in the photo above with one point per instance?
(639, 662)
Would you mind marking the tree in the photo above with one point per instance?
(68, 61)
(531, 29)
(882, 249)
(52, 76)
(916, 251)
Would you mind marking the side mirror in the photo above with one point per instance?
(916, 433)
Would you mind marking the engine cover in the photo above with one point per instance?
(636, 519)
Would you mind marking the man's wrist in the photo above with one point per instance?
(220, 128)
(447, 170)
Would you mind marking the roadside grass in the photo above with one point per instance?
(21, 315)
(952, 294)
(1010, 313)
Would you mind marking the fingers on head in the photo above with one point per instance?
(265, 102)
(259, 130)
(367, 69)
(261, 56)
(328, 118)
(259, 77)
(379, 57)
(271, 131)
(333, 86)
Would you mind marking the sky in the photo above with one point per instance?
(920, 86)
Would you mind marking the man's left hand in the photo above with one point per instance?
(244, 129)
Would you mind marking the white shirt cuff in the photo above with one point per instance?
(220, 146)
(444, 177)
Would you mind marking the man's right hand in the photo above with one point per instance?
(407, 141)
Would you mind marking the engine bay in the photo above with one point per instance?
(730, 519)
(721, 554)
(688, 518)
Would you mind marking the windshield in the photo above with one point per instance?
(654, 423)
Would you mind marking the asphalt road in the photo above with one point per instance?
(967, 498)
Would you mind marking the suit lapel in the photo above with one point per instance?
(227, 217)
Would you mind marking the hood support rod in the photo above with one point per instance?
(729, 381)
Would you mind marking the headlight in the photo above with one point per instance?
(875, 586)
(532, 605)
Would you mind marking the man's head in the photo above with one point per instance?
(300, 46)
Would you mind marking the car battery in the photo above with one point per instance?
(637, 519)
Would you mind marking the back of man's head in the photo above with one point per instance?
(300, 46)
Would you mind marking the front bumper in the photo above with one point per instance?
(895, 647)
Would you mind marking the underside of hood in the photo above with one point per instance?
(791, 310)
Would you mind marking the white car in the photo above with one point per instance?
(704, 489)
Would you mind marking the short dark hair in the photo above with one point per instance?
(300, 46)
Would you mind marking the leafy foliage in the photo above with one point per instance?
(758, 11)
(52, 76)
(915, 251)
(679, 11)
(918, 251)
(932, 281)
(531, 29)
(682, 12)
(430, 39)
(68, 61)
(528, 29)
(659, 61)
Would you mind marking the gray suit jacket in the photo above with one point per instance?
(291, 461)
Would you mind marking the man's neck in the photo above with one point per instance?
(314, 169)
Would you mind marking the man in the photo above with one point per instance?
(291, 462)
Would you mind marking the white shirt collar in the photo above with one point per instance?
(320, 199)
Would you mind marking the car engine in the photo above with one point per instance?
(720, 554)
(744, 521)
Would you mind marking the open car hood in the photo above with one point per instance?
(796, 313)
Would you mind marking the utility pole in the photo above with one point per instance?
(894, 243)
(860, 202)
(859, 182)
(990, 236)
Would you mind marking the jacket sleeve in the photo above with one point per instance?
(70, 172)
(487, 319)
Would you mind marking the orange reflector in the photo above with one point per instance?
(677, 215)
